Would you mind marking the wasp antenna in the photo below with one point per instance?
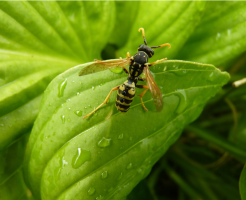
(142, 29)
(163, 45)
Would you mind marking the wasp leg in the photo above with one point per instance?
(153, 63)
(125, 69)
(105, 102)
(141, 95)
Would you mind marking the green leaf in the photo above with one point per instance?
(13, 188)
(220, 36)
(164, 22)
(108, 153)
(226, 145)
(239, 136)
(242, 184)
(124, 21)
(12, 184)
(39, 40)
(12, 158)
(141, 191)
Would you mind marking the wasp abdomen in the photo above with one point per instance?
(125, 95)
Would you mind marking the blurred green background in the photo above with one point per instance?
(39, 40)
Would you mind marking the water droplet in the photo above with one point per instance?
(104, 142)
(180, 72)
(175, 67)
(77, 93)
(110, 189)
(182, 101)
(80, 158)
(61, 87)
(64, 162)
(104, 175)
(228, 31)
(129, 166)
(68, 119)
(93, 88)
(218, 36)
(211, 77)
(2, 125)
(63, 118)
(120, 137)
(91, 191)
(120, 176)
(130, 138)
(100, 197)
(78, 113)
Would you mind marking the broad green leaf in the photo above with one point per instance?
(12, 158)
(124, 21)
(12, 185)
(242, 184)
(164, 22)
(220, 36)
(14, 188)
(39, 40)
(108, 153)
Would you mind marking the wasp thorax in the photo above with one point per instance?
(146, 49)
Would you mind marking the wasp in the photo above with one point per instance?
(137, 65)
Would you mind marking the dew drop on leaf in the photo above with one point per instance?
(180, 72)
(63, 118)
(104, 142)
(129, 166)
(182, 101)
(211, 77)
(80, 158)
(120, 176)
(61, 87)
(91, 191)
(120, 137)
(104, 175)
(78, 113)
(100, 197)
(110, 189)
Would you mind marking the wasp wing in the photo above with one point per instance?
(103, 65)
(154, 89)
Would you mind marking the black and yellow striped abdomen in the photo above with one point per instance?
(125, 95)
